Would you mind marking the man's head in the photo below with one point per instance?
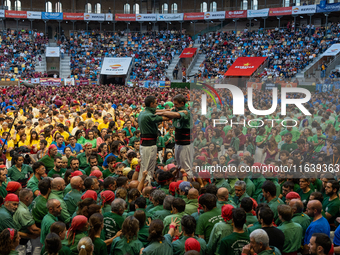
(268, 190)
(239, 217)
(247, 204)
(88, 149)
(178, 205)
(287, 187)
(296, 205)
(259, 240)
(332, 187)
(222, 194)
(58, 184)
(93, 160)
(60, 140)
(119, 169)
(11, 202)
(58, 163)
(39, 168)
(3, 173)
(319, 244)
(179, 101)
(54, 207)
(240, 188)
(288, 137)
(72, 140)
(208, 202)
(188, 224)
(140, 203)
(91, 183)
(26, 196)
(285, 212)
(193, 194)
(77, 183)
(158, 197)
(314, 208)
(150, 101)
(266, 216)
(118, 206)
(74, 164)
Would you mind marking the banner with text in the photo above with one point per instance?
(193, 16)
(335, 7)
(245, 66)
(94, 16)
(16, 14)
(257, 13)
(73, 16)
(52, 15)
(170, 17)
(214, 15)
(50, 81)
(235, 14)
(115, 66)
(125, 17)
(280, 11)
(304, 9)
(33, 15)
(52, 52)
(146, 17)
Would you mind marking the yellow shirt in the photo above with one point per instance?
(98, 120)
(36, 144)
(10, 144)
(26, 143)
(28, 131)
(103, 125)
(84, 116)
(49, 140)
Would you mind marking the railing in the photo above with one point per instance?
(129, 70)
(332, 64)
(259, 69)
(193, 62)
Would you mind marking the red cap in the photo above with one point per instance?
(227, 212)
(293, 195)
(76, 173)
(11, 198)
(192, 244)
(13, 186)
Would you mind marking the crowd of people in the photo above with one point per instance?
(152, 52)
(20, 52)
(108, 169)
(288, 50)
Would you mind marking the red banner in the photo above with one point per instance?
(82, 82)
(125, 17)
(73, 16)
(235, 14)
(188, 53)
(280, 11)
(194, 16)
(245, 66)
(254, 85)
(16, 14)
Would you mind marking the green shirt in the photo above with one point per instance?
(143, 235)
(273, 251)
(185, 120)
(155, 209)
(128, 132)
(112, 224)
(250, 187)
(20, 176)
(6, 219)
(219, 204)
(178, 246)
(303, 220)
(160, 215)
(191, 206)
(23, 218)
(83, 161)
(65, 216)
(93, 142)
(256, 225)
(156, 248)
(121, 246)
(46, 223)
(331, 207)
(100, 247)
(63, 251)
(206, 222)
(258, 182)
(233, 244)
(237, 200)
(3, 191)
(290, 147)
(53, 171)
(148, 121)
(293, 236)
(219, 183)
(39, 209)
(71, 200)
(160, 143)
(304, 196)
(235, 143)
(74, 243)
(316, 186)
(316, 140)
(273, 204)
(48, 161)
(220, 230)
(33, 183)
(251, 219)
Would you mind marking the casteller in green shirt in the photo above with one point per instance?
(233, 244)
(293, 236)
(206, 222)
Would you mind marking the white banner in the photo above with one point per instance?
(108, 16)
(2, 13)
(304, 9)
(115, 66)
(94, 16)
(146, 17)
(35, 80)
(52, 52)
(214, 15)
(170, 17)
(333, 50)
(257, 13)
(69, 81)
(33, 15)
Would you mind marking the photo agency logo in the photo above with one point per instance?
(238, 103)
